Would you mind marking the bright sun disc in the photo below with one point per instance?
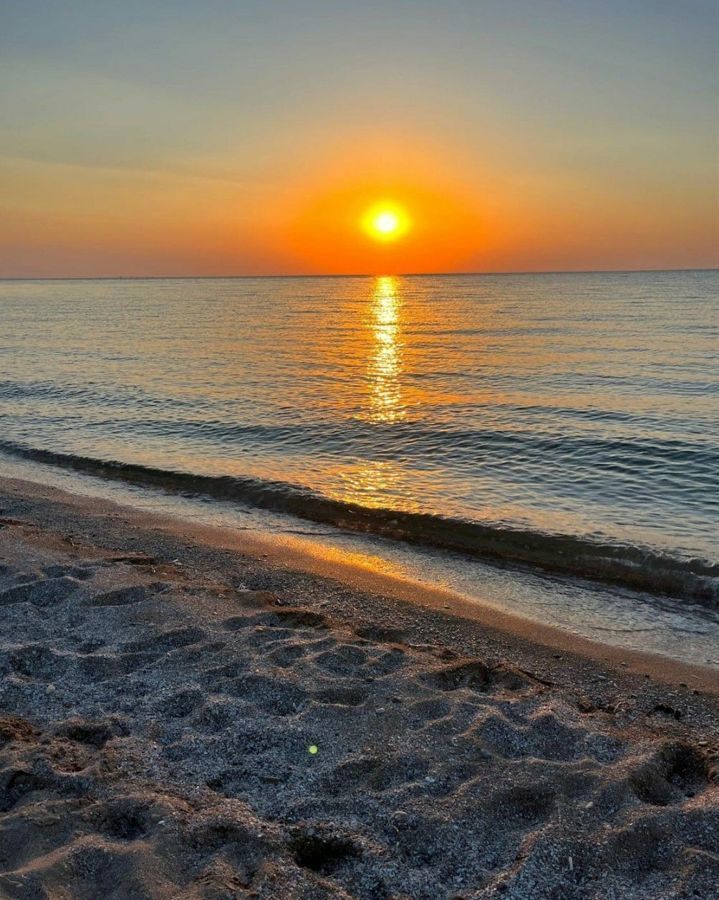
(385, 222)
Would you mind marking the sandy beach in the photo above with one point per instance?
(180, 718)
(359, 442)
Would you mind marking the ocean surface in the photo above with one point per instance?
(564, 423)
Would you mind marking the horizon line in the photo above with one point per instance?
(453, 274)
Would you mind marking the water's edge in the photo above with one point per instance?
(639, 568)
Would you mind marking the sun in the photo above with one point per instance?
(386, 222)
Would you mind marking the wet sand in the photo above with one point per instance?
(184, 713)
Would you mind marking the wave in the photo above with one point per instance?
(638, 568)
(697, 444)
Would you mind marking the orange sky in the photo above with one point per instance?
(69, 220)
(210, 142)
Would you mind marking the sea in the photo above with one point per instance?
(544, 443)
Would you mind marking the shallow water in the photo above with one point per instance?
(609, 614)
(568, 422)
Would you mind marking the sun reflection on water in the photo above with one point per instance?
(378, 480)
(384, 365)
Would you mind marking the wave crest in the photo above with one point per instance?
(635, 567)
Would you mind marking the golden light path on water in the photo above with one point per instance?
(371, 481)
(384, 365)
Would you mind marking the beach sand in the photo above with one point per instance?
(180, 717)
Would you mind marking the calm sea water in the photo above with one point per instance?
(569, 421)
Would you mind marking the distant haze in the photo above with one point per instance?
(181, 138)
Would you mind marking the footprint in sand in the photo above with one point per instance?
(128, 595)
(477, 676)
(523, 806)
(38, 662)
(376, 774)
(165, 641)
(105, 667)
(671, 774)
(181, 704)
(127, 819)
(344, 660)
(41, 592)
(296, 618)
(92, 732)
(82, 573)
(339, 695)
(279, 698)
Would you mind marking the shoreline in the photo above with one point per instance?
(654, 571)
(163, 684)
(362, 577)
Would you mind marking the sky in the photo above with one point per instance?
(219, 138)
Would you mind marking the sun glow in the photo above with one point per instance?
(386, 222)
(367, 224)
